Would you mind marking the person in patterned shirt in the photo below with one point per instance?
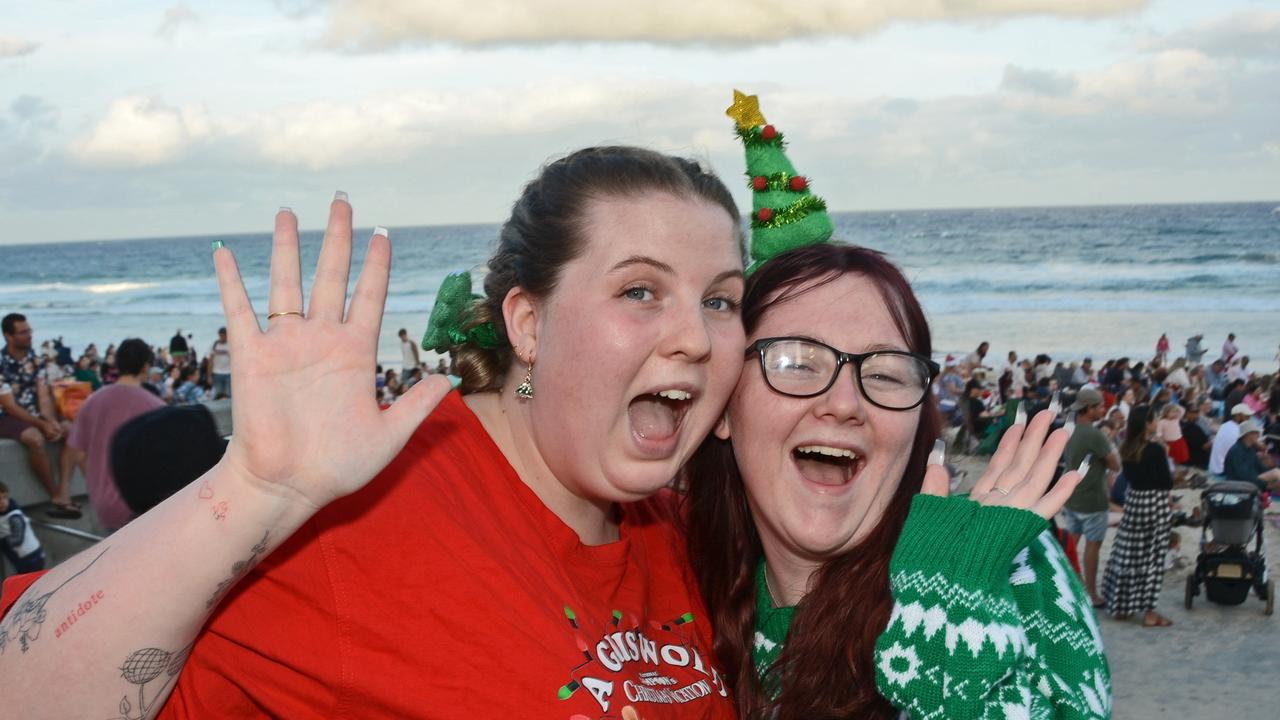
(26, 411)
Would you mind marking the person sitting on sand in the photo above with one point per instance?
(1244, 461)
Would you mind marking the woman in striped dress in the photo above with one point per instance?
(1135, 569)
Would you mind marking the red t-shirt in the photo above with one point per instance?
(446, 589)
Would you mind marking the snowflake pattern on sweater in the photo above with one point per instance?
(975, 636)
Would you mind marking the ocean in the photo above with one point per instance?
(1070, 282)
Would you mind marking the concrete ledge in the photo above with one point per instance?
(25, 487)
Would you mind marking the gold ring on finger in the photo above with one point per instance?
(1000, 490)
(275, 315)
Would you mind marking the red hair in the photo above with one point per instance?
(826, 667)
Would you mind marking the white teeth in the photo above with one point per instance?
(674, 394)
(826, 450)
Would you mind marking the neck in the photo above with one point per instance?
(134, 380)
(15, 353)
(507, 420)
(787, 576)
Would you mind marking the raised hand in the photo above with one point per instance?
(1020, 470)
(307, 425)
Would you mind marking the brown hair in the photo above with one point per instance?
(546, 231)
(1135, 433)
(826, 666)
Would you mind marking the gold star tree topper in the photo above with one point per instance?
(745, 111)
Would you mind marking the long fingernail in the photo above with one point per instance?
(284, 209)
(1084, 465)
(340, 195)
(1055, 405)
(1070, 427)
(217, 245)
(1020, 417)
(382, 231)
(938, 455)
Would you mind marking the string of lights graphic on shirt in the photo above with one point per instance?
(568, 690)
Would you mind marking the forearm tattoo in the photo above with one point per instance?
(26, 618)
(141, 668)
(237, 571)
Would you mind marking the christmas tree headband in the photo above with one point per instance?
(784, 213)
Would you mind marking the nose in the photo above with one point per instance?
(843, 401)
(687, 335)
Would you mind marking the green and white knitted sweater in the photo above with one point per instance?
(989, 621)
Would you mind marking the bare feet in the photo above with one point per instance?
(1155, 619)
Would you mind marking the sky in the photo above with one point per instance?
(160, 119)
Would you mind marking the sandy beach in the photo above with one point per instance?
(1216, 662)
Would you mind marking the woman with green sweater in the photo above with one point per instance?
(840, 580)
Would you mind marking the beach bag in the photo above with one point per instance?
(69, 395)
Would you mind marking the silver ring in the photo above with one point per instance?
(1000, 490)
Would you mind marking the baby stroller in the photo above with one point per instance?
(1226, 566)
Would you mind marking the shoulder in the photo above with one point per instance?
(1096, 438)
(452, 441)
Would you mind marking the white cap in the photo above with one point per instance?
(1242, 409)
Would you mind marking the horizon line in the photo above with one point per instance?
(839, 212)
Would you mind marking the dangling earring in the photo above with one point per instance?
(524, 390)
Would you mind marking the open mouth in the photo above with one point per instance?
(826, 465)
(656, 417)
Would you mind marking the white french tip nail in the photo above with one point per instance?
(382, 231)
(1020, 417)
(938, 456)
(1084, 465)
(284, 209)
(1055, 405)
(1070, 427)
(340, 195)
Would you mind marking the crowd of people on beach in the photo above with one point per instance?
(1140, 429)
(43, 392)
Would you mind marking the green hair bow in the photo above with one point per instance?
(452, 314)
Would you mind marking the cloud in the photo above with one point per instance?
(1037, 82)
(384, 24)
(139, 132)
(174, 18)
(382, 130)
(1253, 35)
(33, 110)
(15, 47)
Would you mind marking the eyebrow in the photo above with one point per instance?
(664, 267)
(878, 347)
(643, 260)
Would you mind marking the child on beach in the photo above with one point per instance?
(18, 543)
(1169, 431)
(189, 392)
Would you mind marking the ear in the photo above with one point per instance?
(723, 429)
(520, 312)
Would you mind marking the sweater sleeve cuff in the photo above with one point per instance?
(971, 544)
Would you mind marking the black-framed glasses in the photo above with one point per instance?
(801, 367)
